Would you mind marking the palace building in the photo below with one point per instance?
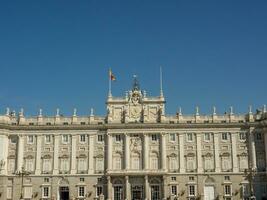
(135, 152)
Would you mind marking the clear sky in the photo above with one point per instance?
(57, 53)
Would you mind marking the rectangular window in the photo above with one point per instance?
(174, 189)
(81, 179)
(99, 164)
(154, 137)
(227, 190)
(242, 136)
(259, 136)
(81, 191)
(100, 138)
(207, 136)
(30, 139)
(227, 178)
(46, 192)
(118, 138)
(47, 138)
(172, 137)
(173, 178)
(99, 190)
(82, 138)
(65, 138)
(192, 191)
(189, 137)
(224, 136)
(191, 178)
(46, 180)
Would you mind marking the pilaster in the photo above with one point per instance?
(163, 151)
(73, 154)
(91, 155)
(147, 189)
(252, 149)
(234, 154)
(181, 152)
(4, 153)
(145, 156)
(127, 188)
(110, 142)
(20, 152)
(127, 151)
(38, 154)
(199, 154)
(56, 151)
(216, 153)
(109, 188)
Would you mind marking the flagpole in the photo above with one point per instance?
(109, 84)
(161, 89)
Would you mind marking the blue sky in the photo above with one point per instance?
(57, 53)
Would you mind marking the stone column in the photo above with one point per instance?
(163, 151)
(234, 154)
(20, 152)
(181, 152)
(145, 152)
(109, 151)
(216, 153)
(4, 153)
(91, 155)
(252, 149)
(73, 154)
(109, 188)
(199, 154)
(56, 151)
(127, 188)
(127, 151)
(147, 190)
(38, 154)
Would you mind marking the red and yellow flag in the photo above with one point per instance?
(111, 76)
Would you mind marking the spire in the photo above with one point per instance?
(161, 89)
(136, 85)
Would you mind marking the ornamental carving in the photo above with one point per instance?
(135, 143)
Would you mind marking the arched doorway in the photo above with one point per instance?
(63, 189)
(209, 189)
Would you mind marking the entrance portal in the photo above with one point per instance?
(64, 193)
(137, 192)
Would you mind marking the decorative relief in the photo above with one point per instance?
(135, 143)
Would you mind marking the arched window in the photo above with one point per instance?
(117, 161)
(191, 162)
(154, 161)
(64, 164)
(208, 162)
(173, 164)
(243, 162)
(29, 164)
(226, 163)
(135, 161)
(82, 164)
(99, 163)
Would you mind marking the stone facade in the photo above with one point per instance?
(134, 152)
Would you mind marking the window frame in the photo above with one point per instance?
(67, 137)
(46, 141)
(189, 137)
(100, 138)
(44, 192)
(101, 190)
(30, 141)
(172, 137)
(82, 138)
(79, 191)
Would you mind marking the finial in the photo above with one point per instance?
(180, 111)
(231, 110)
(7, 111)
(92, 112)
(40, 112)
(13, 113)
(214, 110)
(197, 110)
(74, 112)
(126, 95)
(161, 88)
(57, 114)
(250, 109)
(264, 108)
(21, 112)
